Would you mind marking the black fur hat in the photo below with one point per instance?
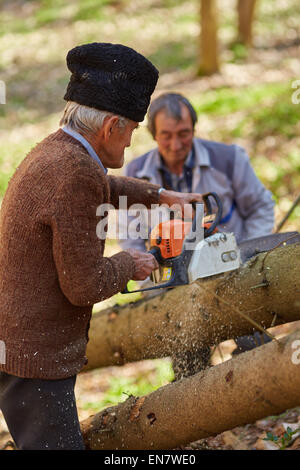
(111, 77)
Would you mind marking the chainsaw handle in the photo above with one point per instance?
(208, 231)
(156, 253)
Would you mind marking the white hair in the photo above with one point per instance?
(86, 120)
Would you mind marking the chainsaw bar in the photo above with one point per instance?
(254, 246)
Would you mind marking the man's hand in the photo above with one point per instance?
(180, 201)
(145, 263)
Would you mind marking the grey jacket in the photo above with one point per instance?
(248, 208)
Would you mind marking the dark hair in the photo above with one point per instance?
(171, 103)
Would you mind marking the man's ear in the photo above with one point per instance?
(110, 123)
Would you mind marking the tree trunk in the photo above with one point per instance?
(208, 38)
(245, 21)
(256, 384)
(188, 319)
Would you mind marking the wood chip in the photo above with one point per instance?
(136, 409)
(230, 439)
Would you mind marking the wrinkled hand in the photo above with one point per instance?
(180, 201)
(145, 263)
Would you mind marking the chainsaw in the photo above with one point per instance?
(190, 250)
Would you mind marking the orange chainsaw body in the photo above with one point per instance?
(169, 244)
(169, 237)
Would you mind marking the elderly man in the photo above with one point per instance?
(183, 162)
(51, 260)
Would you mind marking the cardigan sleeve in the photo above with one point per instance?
(136, 190)
(84, 274)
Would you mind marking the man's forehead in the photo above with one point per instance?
(164, 119)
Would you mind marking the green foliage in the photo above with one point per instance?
(240, 52)
(284, 441)
(90, 10)
(121, 299)
(11, 155)
(45, 13)
(122, 387)
(283, 176)
(280, 117)
(48, 11)
(174, 55)
(258, 114)
(223, 101)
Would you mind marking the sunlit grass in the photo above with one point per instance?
(10, 157)
(120, 388)
(119, 299)
(282, 175)
(222, 101)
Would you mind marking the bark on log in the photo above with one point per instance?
(190, 318)
(256, 384)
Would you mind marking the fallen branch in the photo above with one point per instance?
(256, 384)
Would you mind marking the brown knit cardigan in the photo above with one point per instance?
(52, 268)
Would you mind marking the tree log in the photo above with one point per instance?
(189, 318)
(256, 384)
